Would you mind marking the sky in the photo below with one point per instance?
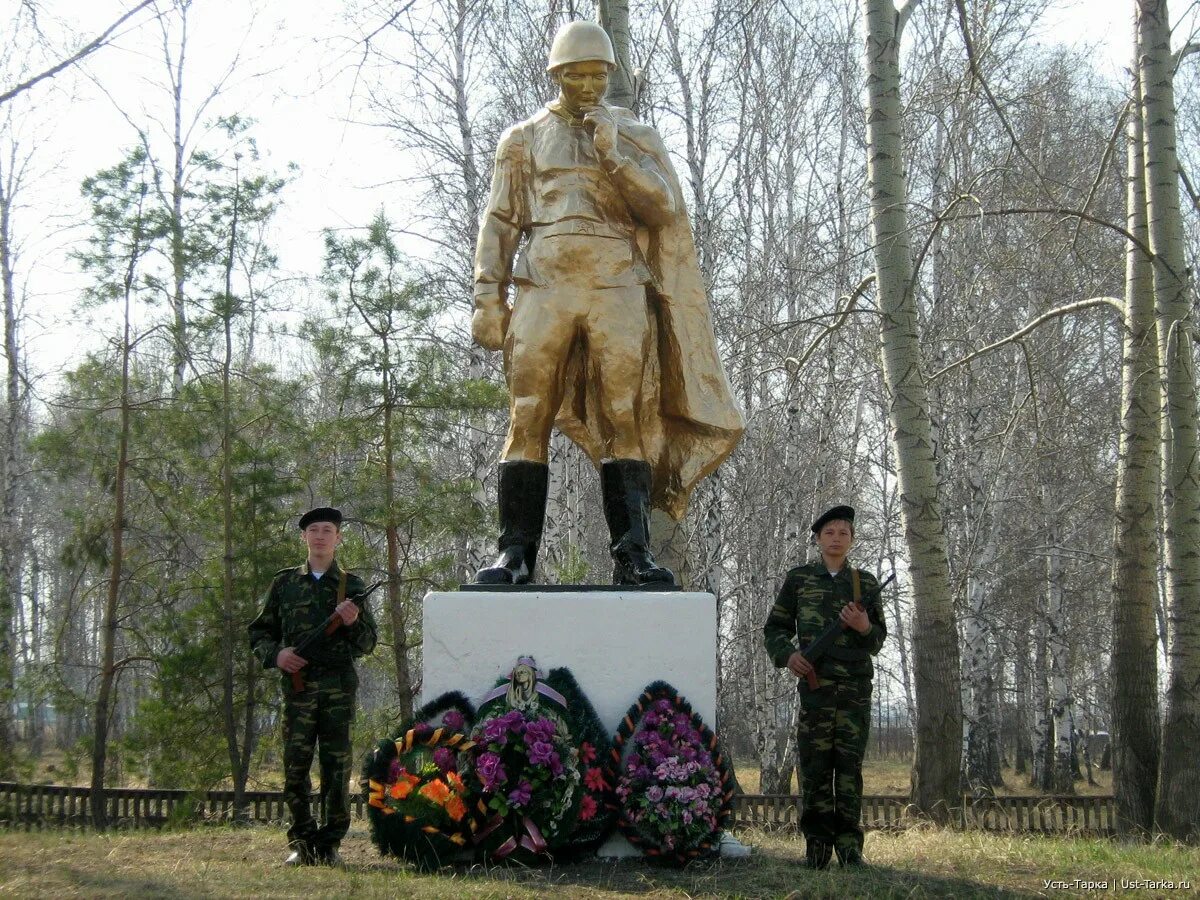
(296, 78)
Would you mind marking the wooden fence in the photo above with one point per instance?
(35, 806)
(54, 806)
(1040, 815)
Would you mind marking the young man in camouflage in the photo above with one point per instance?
(836, 717)
(298, 603)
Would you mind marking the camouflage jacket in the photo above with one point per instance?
(811, 599)
(296, 604)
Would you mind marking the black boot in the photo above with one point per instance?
(850, 857)
(817, 854)
(522, 506)
(625, 484)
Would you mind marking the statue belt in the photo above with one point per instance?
(581, 228)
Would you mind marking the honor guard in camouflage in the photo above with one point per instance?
(835, 715)
(586, 278)
(314, 604)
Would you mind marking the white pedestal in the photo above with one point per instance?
(615, 642)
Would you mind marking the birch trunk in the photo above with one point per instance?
(774, 735)
(9, 566)
(979, 721)
(897, 630)
(1061, 703)
(936, 767)
(1040, 731)
(179, 260)
(1178, 811)
(554, 550)
(1022, 690)
(1134, 674)
(614, 17)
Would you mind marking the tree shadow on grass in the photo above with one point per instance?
(91, 883)
(762, 875)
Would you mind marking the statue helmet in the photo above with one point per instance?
(580, 42)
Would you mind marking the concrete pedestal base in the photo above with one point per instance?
(615, 642)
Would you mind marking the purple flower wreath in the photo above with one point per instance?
(672, 782)
(524, 770)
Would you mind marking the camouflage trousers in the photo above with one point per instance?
(831, 738)
(318, 719)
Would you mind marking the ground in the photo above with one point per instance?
(245, 862)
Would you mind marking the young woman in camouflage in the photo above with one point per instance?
(835, 718)
(319, 687)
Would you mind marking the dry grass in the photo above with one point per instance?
(891, 777)
(227, 862)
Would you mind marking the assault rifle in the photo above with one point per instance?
(322, 631)
(825, 639)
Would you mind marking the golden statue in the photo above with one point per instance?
(610, 336)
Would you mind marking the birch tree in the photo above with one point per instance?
(614, 16)
(1178, 803)
(936, 767)
(1134, 669)
(13, 160)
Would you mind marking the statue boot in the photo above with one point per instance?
(522, 504)
(625, 484)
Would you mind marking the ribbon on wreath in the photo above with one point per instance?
(531, 840)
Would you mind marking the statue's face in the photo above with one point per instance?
(582, 84)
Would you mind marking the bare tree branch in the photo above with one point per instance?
(977, 74)
(835, 325)
(1183, 53)
(1060, 211)
(1104, 161)
(903, 15)
(85, 51)
(1190, 188)
(1056, 313)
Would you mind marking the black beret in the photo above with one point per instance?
(321, 514)
(845, 513)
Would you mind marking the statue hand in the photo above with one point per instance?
(489, 325)
(602, 127)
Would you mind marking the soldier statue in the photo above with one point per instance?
(586, 277)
